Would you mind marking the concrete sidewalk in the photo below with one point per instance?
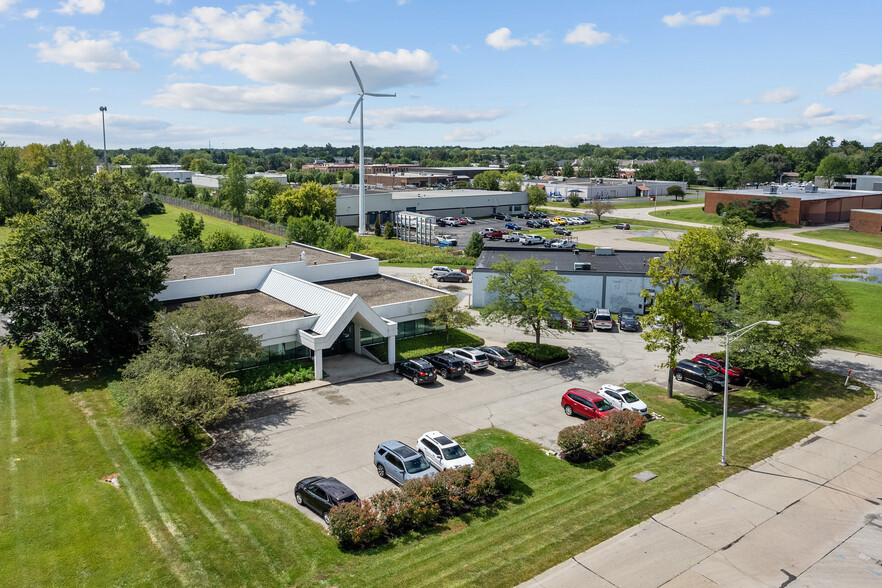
(810, 515)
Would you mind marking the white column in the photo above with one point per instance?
(317, 364)
(356, 346)
(391, 346)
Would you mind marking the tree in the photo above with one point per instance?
(488, 180)
(223, 240)
(833, 168)
(262, 191)
(574, 200)
(677, 192)
(311, 199)
(526, 296)
(202, 335)
(533, 168)
(35, 159)
(73, 161)
(445, 312)
(19, 191)
(475, 245)
(389, 230)
(511, 181)
(234, 189)
(378, 228)
(567, 171)
(192, 397)
(809, 306)
(817, 150)
(189, 227)
(674, 317)
(758, 172)
(771, 208)
(536, 197)
(714, 172)
(600, 207)
(80, 275)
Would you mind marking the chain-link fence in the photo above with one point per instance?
(243, 220)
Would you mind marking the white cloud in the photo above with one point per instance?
(862, 77)
(22, 108)
(385, 118)
(272, 99)
(469, 135)
(81, 7)
(780, 95)
(31, 13)
(585, 34)
(6, 4)
(73, 47)
(501, 39)
(816, 109)
(715, 18)
(209, 26)
(166, 2)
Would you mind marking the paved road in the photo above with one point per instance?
(810, 515)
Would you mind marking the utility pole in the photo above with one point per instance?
(103, 109)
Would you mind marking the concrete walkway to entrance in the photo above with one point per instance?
(348, 367)
(810, 515)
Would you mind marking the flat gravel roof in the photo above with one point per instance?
(378, 290)
(263, 307)
(220, 263)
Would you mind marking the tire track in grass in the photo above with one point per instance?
(9, 384)
(164, 516)
(258, 547)
(218, 526)
(153, 529)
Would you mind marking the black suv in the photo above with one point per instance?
(322, 494)
(698, 374)
(419, 370)
(501, 216)
(628, 319)
(449, 366)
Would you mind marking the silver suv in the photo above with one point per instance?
(474, 359)
(400, 462)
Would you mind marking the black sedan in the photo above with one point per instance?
(418, 370)
(453, 276)
(449, 366)
(321, 494)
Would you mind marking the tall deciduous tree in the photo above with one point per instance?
(19, 191)
(488, 180)
(311, 199)
(676, 191)
(511, 181)
(674, 317)
(832, 169)
(527, 296)
(567, 170)
(809, 306)
(600, 207)
(79, 276)
(234, 189)
(536, 197)
(445, 312)
(73, 160)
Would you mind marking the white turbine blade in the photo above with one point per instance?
(357, 77)
(380, 95)
(354, 108)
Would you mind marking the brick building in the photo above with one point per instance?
(866, 221)
(805, 207)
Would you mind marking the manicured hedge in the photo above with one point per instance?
(424, 502)
(598, 437)
(274, 375)
(542, 355)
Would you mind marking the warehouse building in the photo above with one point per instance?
(807, 205)
(604, 278)
(866, 221)
(602, 188)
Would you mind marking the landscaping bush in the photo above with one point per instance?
(423, 502)
(355, 524)
(274, 375)
(543, 354)
(598, 437)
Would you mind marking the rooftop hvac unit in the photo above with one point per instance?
(773, 189)
(603, 251)
(582, 267)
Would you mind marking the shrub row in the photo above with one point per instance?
(598, 437)
(543, 354)
(274, 375)
(423, 502)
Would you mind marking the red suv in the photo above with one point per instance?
(586, 404)
(716, 364)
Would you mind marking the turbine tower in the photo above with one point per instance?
(360, 103)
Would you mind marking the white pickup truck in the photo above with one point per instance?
(532, 240)
(514, 237)
(562, 244)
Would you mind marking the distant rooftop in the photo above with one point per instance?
(263, 307)
(870, 210)
(378, 290)
(624, 262)
(219, 263)
(797, 192)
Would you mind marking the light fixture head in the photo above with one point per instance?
(773, 323)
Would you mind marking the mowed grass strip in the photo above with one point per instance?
(166, 225)
(834, 235)
(824, 253)
(860, 329)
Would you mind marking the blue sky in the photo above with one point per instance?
(479, 73)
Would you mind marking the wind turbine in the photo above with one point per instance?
(360, 103)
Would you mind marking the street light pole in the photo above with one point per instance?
(729, 338)
(103, 109)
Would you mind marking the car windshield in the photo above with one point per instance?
(501, 352)
(454, 452)
(629, 397)
(603, 405)
(629, 316)
(416, 465)
(602, 317)
(708, 371)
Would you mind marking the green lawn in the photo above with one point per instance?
(860, 330)
(835, 235)
(697, 215)
(824, 253)
(172, 523)
(165, 225)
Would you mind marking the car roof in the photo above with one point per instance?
(601, 311)
(585, 393)
(440, 438)
(419, 361)
(399, 449)
(612, 388)
(335, 488)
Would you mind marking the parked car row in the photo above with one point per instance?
(452, 221)
(609, 398)
(453, 362)
(708, 371)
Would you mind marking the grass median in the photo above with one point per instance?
(165, 225)
(846, 237)
(860, 328)
(824, 253)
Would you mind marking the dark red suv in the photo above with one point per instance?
(586, 404)
(715, 363)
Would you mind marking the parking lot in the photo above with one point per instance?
(333, 430)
